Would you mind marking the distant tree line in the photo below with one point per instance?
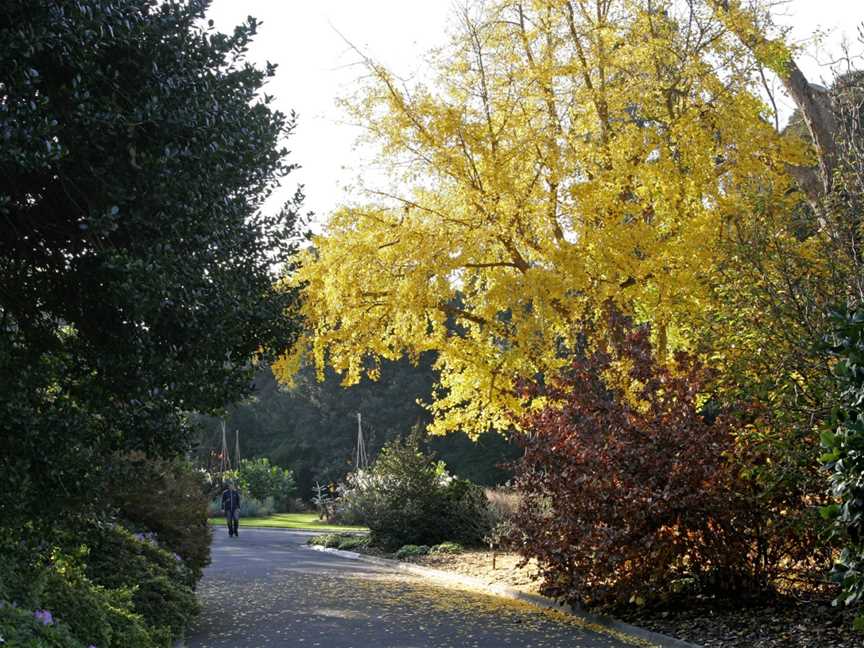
(311, 428)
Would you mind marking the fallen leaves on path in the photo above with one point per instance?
(380, 609)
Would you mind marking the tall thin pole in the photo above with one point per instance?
(361, 462)
(224, 459)
(237, 449)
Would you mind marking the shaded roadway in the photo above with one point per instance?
(264, 589)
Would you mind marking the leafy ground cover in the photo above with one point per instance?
(290, 521)
(776, 622)
(789, 621)
(344, 541)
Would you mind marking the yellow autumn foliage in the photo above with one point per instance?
(566, 155)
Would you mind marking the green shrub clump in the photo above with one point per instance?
(266, 488)
(252, 507)
(160, 582)
(408, 498)
(345, 541)
(167, 498)
(410, 551)
(249, 507)
(447, 548)
(58, 604)
(353, 543)
(97, 584)
(26, 628)
(328, 540)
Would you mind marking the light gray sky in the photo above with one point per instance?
(316, 66)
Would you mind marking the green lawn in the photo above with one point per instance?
(290, 521)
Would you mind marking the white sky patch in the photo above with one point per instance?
(316, 67)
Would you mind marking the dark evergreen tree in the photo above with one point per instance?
(135, 260)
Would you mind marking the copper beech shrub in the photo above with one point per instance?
(629, 490)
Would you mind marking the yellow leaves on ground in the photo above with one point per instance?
(568, 154)
(296, 607)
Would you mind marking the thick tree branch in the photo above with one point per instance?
(809, 180)
(814, 104)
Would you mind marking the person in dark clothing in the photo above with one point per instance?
(231, 506)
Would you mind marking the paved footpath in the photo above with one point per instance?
(265, 590)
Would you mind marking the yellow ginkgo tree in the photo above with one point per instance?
(566, 157)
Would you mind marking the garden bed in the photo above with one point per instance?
(478, 564)
(776, 622)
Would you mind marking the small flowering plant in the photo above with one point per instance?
(20, 626)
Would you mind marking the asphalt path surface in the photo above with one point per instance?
(265, 589)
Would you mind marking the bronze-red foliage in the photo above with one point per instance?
(631, 494)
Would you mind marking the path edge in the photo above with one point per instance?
(503, 591)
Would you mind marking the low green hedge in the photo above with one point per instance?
(353, 542)
(447, 548)
(411, 551)
(120, 591)
(344, 541)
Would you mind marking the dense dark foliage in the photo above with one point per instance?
(160, 581)
(630, 490)
(844, 454)
(311, 427)
(135, 263)
(166, 498)
(119, 591)
(843, 434)
(21, 628)
(136, 284)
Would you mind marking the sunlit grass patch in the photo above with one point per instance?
(290, 521)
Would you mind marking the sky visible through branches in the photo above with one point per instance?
(313, 45)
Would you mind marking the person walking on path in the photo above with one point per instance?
(231, 506)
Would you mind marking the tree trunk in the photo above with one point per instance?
(813, 101)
